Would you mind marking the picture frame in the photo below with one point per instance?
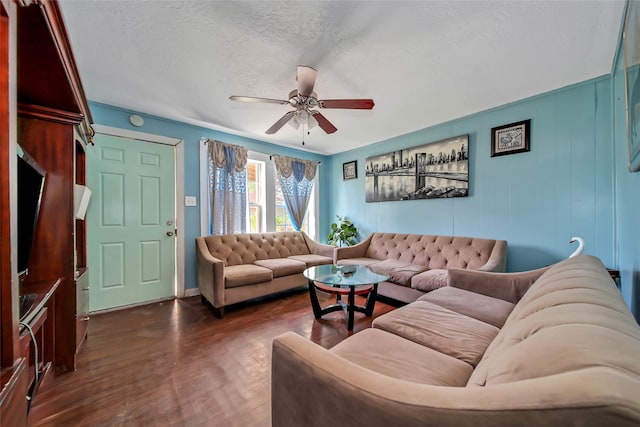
(631, 53)
(433, 170)
(350, 170)
(510, 139)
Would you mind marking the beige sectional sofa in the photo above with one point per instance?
(553, 347)
(418, 263)
(238, 267)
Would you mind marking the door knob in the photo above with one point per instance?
(169, 233)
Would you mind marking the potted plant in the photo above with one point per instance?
(342, 233)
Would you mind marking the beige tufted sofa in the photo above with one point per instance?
(418, 263)
(238, 267)
(549, 347)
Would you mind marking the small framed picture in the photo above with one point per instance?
(350, 170)
(510, 139)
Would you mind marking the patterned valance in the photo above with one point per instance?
(286, 166)
(233, 157)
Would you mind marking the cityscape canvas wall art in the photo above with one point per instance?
(431, 171)
(631, 45)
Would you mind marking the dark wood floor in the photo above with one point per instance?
(174, 363)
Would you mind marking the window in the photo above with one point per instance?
(266, 208)
(283, 221)
(256, 196)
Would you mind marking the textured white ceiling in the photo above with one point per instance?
(423, 62)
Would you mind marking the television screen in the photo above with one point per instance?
(30, 187)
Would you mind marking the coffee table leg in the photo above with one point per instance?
(351, 308)
(315, 304)
(371, 300)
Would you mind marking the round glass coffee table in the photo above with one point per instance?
(343, 280)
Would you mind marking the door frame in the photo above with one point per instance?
(178, 143)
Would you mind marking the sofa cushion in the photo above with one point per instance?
(399, 272)
(487, 309)
(579, 281)
(403, 294)
(358, 261)
(572, 318)
(399, 358)
(312, 259)
(245, 274)
(430, 280)
(441, 329)
(563, 339)
(282, 266)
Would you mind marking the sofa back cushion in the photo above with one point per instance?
(431, 251)
(572, 318)
(236, 249)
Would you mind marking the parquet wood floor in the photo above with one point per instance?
(175, 364)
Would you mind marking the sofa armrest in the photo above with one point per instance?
(210, 274)
(355, 251)
(311, 386)
(505, 286)
(498, 259)
(319, 248)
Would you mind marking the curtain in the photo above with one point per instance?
(296, 181)
(227, 188)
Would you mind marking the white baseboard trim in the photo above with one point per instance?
(191, 292)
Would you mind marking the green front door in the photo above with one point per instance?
(131, 222)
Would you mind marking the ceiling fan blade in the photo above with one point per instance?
(306, 80)
(355, 104)
(277, 125)
(259, 100)
(323, 122)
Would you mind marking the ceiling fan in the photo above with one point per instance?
(304, 99)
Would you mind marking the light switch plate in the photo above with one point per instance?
(190, 201)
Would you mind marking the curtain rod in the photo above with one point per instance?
(205, 140)
(271, 158)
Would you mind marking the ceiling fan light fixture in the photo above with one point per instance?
(312, 123)
(303, 99)
(294, 122)
(303, 118)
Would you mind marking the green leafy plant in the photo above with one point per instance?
(342, 233)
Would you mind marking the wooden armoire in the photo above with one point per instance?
(43, 108)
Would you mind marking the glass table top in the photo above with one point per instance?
(343, 275)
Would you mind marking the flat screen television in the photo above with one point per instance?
(31, 178)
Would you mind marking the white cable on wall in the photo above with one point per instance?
(35, 352)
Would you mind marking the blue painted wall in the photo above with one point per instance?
(627, 185)
(573, 182)
(535, 200)
(119, 118)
